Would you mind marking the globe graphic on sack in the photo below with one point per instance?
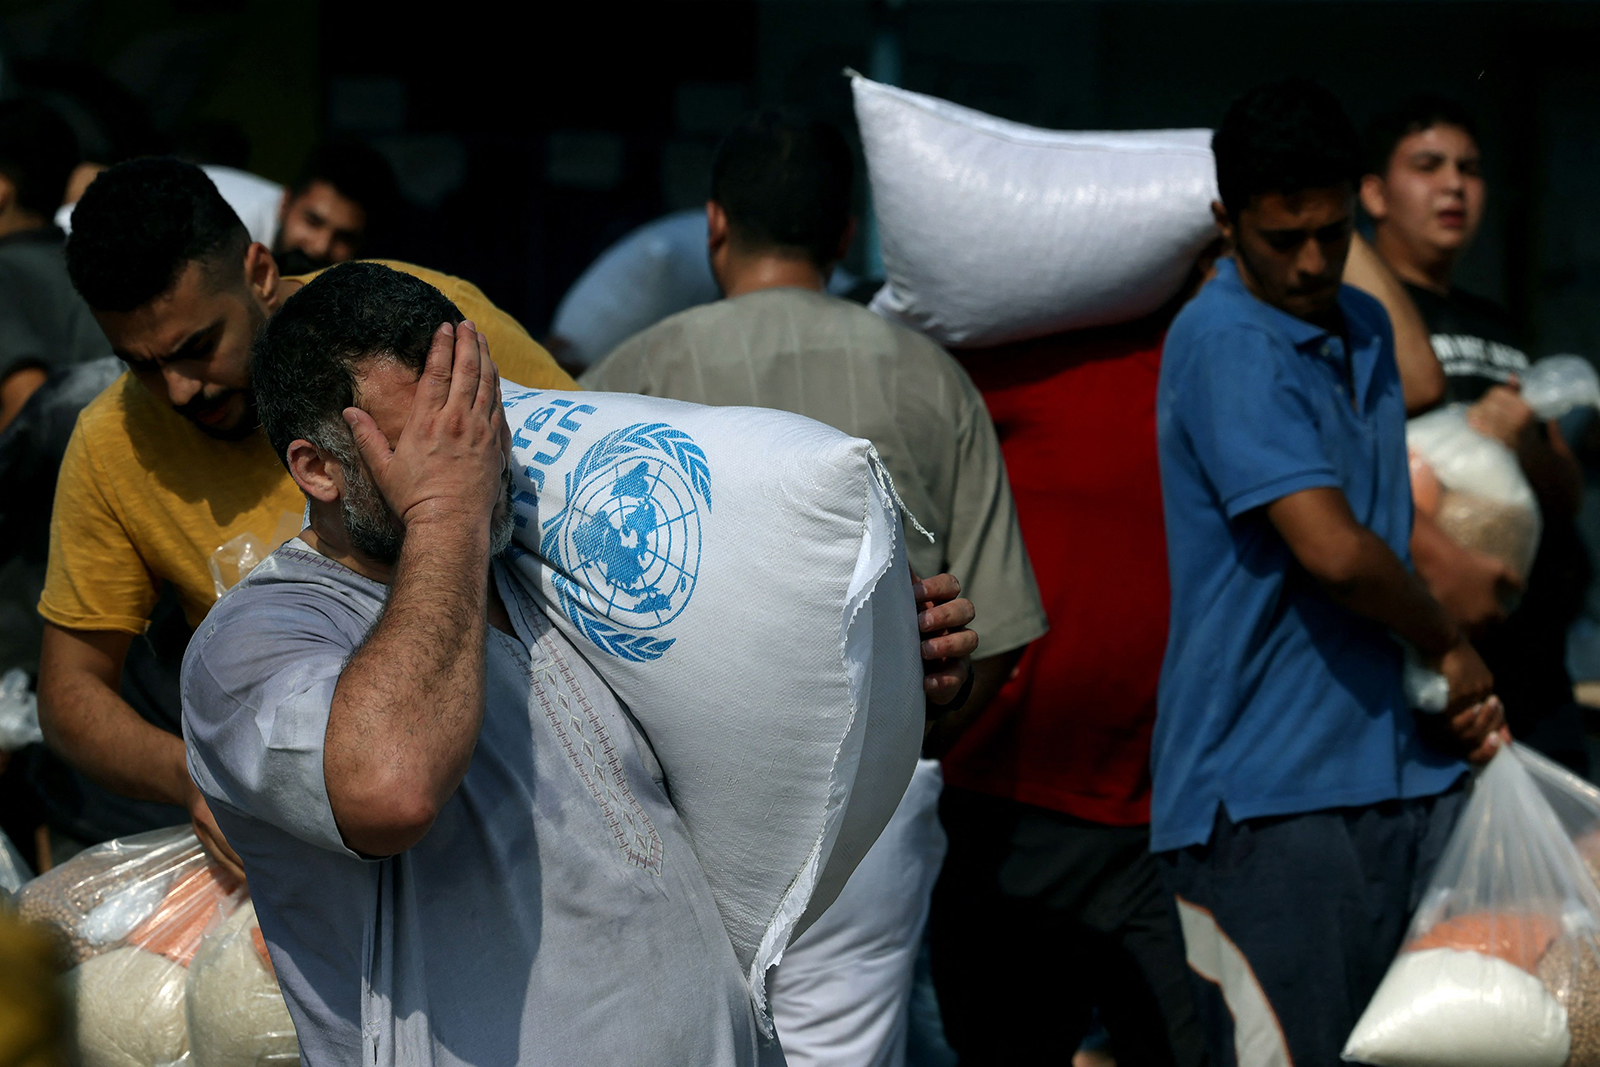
(629, 541)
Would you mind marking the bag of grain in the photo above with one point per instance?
(236, 1015)
(135, 916)
(738, 576)
(1472, 485)
(993, 231)
(1501, 964)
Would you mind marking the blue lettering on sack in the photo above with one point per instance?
(556, 443)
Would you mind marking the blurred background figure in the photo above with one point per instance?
(342, 207)
(1426, 193)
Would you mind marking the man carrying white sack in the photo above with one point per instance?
(779, 219)
(435, 878)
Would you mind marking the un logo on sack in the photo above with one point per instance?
(627, 544)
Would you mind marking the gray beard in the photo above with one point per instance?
(376, 532)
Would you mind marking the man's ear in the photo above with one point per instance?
(261, 274)
(1223, 221)
(317, 474)
(283, 206)
(8, 194)
(716, 227)
(1374, 201)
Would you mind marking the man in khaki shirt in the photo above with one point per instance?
(779, 220)
(168, 470)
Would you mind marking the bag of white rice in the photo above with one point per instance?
(738, 576)
(993, 231)
(1501, 965)
(1476, 492)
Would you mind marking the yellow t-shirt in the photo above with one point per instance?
(144, 497)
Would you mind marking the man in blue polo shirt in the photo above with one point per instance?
(1299, 804)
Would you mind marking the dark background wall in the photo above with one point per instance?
(526, 142)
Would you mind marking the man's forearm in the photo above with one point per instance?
(86, 722)
(1554, 473)
(409, 705)
(112, 746)
(1377, 585)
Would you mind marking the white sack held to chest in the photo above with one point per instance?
(993, 231)
(738, 576)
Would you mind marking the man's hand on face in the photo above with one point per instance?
(448, 462)
(947, 644)
(1502, 414)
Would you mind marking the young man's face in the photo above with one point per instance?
(1431, 198)
(190, 346)
(1291, 248)
(322, 224)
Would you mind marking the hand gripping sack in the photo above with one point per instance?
(738, 577)
(1501, 965)
(1473, 486)
(993, 231)
(136, 916)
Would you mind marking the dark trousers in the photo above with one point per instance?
(1039, 920)
(1290, 922)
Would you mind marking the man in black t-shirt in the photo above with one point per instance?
(1425, 192)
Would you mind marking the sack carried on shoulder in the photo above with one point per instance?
(738, 577)
(993, 231)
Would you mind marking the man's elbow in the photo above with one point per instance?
(383, 821)
(1425, 391)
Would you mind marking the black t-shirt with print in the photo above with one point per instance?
(1478, 347)
(1475, 340)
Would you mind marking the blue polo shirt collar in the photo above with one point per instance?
(1312, 340)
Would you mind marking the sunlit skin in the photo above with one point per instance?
(1291, 249)
(322, 223)
(190, 346)
(1427, 205)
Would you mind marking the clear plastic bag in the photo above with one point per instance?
(135, 915)
(13, 871)
(1501, 965)
(1473, 487)
(1556, 385)
(19, 712)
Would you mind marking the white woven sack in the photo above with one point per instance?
(993, 231)
(738, 576)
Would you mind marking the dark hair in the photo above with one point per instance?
(358, 171)
(1283, 137)
(785, 183)
(303, 365)
(1412, 115)
(141, 223)
(38, 151)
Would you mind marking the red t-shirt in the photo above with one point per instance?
(1076, 418)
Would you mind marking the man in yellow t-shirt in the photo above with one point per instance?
(168, 479)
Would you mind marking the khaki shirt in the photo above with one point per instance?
(841, 364)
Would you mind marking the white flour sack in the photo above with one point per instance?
(993, 231)
(738, 576)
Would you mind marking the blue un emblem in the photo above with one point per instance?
(627, 545)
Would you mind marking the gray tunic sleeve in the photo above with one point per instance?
(258, 682)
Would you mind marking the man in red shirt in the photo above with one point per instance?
(1049, 906)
